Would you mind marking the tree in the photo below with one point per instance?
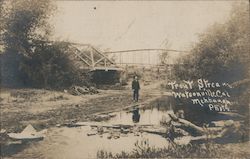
(29, 58)
(25, 22)
(51, 67)
(22, 23)
(222, 52)
(222, 55)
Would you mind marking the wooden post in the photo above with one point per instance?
(105, 64)
(92, 59)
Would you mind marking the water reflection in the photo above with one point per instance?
(151, 116)
(136, 115)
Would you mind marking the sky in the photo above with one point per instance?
(124, 25)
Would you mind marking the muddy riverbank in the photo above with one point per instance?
(43, 108)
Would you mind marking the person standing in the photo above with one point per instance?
(135, 88)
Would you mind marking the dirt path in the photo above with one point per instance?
(43, 108)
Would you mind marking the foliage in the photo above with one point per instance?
(144, 150)
(50, 67)
(222, 53)
(29, 58)
(23, 22)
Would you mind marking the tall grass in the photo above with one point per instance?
(144, 150)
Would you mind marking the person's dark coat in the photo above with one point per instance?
(135, 85)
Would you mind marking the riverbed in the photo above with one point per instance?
(75, 142)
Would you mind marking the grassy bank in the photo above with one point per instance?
(206, 150)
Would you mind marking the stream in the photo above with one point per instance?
(74, 142)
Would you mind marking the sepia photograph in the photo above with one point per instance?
(98, 79)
